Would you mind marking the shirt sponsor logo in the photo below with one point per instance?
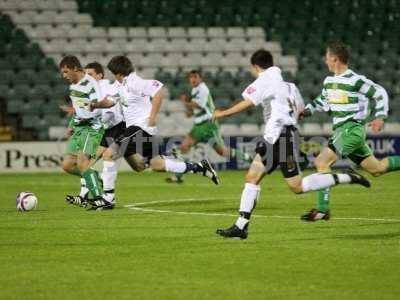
(250, 90)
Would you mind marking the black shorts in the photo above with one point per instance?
(113, 134)
(136, 141)
(284, 153)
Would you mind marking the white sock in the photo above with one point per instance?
(344, 178)
(84, 189)
(109, 175)
(248, 201)
(110, 197)
(175, 166)
(241, 222)
(318, 181)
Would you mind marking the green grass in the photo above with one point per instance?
(65, 252)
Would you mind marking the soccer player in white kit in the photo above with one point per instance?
(282, 104)
(141, 100)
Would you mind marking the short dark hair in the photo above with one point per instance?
(195, 72)
(262, 58)
(71, 62)
(341, 50)
(97, 67)
(120, 65)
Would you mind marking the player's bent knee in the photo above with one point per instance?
(252, 177)
(297, 189)
(157, 164)
(67, 167)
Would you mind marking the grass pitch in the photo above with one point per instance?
(163, 244)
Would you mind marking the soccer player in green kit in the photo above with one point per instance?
(348, 98)
(204, 130)
(85, 128)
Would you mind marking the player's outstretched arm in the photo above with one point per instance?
(155, 108)
(237, 108)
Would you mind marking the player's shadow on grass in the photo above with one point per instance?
(376, 236)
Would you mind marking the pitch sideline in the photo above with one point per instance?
(137, 207)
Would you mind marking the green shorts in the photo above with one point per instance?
(84, 139)
(349, 140)
(207, 132)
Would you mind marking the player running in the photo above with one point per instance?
(141, 101)
(114, 124)
(281, 103)
(347, 97)
(205, 129)
(85, 128)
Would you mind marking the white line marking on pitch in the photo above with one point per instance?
(136, 206)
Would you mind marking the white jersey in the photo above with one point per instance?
(135, 96)
(281, 101)
(110, 116)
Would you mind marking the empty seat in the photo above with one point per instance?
(176, 32)
(234, 45)
(215, 45)
(137, 32)
(235, 32)
(255, 32)
(157, 32)
(216, 32)
(96, 32)
(196, 32)
(135, 46)
(117, 32)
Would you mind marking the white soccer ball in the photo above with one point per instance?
(26, 201)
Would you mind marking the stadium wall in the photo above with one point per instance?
(47, 156)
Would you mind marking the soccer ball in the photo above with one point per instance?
(26, 201)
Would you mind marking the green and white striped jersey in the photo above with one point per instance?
(202, 97)
(348, 97)
(82, 94)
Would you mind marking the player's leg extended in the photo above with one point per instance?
(319, 181)
(184, 148)
(165, 164)
(248, 201)
(323, 163)
(379, 167)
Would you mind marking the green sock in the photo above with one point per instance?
(179, 175)
(394, 163)
(323, 200)
(93, 182)
(75, 171)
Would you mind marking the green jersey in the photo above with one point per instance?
(202, 97)
(83, 93)
(348, 97)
